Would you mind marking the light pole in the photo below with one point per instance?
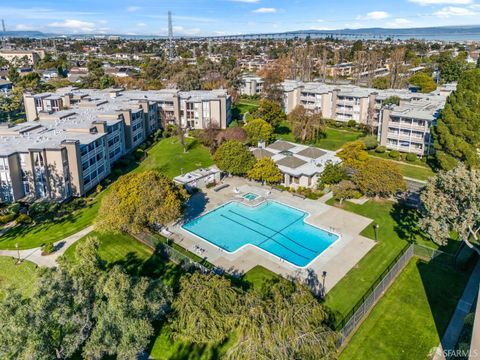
(375, 227)
(324, 275)
(18, 253)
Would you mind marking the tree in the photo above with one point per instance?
(209, 135)
(273, 76)
(451, 68)
(206, 309)
(353, 153)
(381, 82)
(124, 310)
(306, 126)
(258, 130)
(232, 133)
(457, 134)
(376, 177)
(451, 205)
(397, 59)
(234, 158)
(271, 112)
(423, 81)
(392, 100)
(333, 174)
(345, 189)
(139, 200)
(266, 170)
(284, 322)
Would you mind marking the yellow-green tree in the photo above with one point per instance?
(140, 200)
(265, 170)
(258, 130)
(353, 153)
(376, 177)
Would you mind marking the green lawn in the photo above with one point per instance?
(20, 276)
(411, 317)
(168, 157)
(416, 172)
(33, 236)
(397, 227)
(333, 140)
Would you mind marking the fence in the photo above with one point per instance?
(162, 248)
(374, 294)
(351, 322)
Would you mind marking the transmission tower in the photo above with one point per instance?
(171, 44)
(4, 31)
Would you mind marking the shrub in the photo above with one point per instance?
(24, 219)
(394, 154)
(14, 208)
(370, 142)
(211, 184)
(6, 218)
(48, 248)
(381, 149)
(351, 123)
(43, 208)
(139, 154)
(411, 157)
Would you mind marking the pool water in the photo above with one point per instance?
(271, 226)
(250, 196)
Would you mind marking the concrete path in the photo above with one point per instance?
(35, 255)
(455, 326)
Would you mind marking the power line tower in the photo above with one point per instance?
(171, 44)
(4, 31)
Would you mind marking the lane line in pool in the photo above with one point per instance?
(268, 237)
(277, 232)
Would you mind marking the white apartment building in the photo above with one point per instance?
(251, 85)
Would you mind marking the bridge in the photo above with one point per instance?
(291, 35)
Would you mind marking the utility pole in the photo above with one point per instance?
(4, 30)
(171, 45)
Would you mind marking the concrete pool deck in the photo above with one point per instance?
(337, 260)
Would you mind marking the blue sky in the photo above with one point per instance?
(201, 17)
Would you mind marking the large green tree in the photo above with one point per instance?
(457, 133)
(266, 170)
(306, 126)
(234, 157)
(271, 112)
(376, 177)
(206, 308)
(451, 205)
(423, 81)
(139, 200)
(258, 130)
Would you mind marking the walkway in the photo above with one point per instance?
(35, 255)
(464, 306)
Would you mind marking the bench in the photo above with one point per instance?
(299, 196)
(218, 188)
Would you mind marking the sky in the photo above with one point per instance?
(219, 17)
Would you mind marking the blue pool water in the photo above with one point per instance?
(250, 196)
(271, 226)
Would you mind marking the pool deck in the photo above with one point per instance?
(337, 260)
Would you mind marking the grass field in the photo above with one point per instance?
(21, 276)
(333, 140)
(397, 228)
(33, 236)
(416, 172)
(411, 317)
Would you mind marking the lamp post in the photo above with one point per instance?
(375, 227)
(324, 275)
(18, 253)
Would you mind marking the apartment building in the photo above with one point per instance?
(367, 106)
(32, 56)
(74, 136)
(407, 127)
(251, 85)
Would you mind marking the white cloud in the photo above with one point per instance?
(374, 15)
(265, 10)
(399, 22)
(450, 11)
(441, 2)
(141, 24)
(133, 8)
(24, 27)
(74, 25)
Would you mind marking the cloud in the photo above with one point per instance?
(133, 8)
(374, 15)
(74, 25)
(265, 10)
(450, 11)
(399, 22)
(24, 27)
(441, 2)
(141, 24)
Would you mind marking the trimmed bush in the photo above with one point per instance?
(24, 219)
(394, 154)
(6, 218)
(351, 123)
(48, 249)
(381, 149)
(370, 142)
(411, 157)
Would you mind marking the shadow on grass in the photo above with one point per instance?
(406, 222)
(443, 287)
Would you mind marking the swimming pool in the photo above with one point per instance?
(271, 226)
(250, 196)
